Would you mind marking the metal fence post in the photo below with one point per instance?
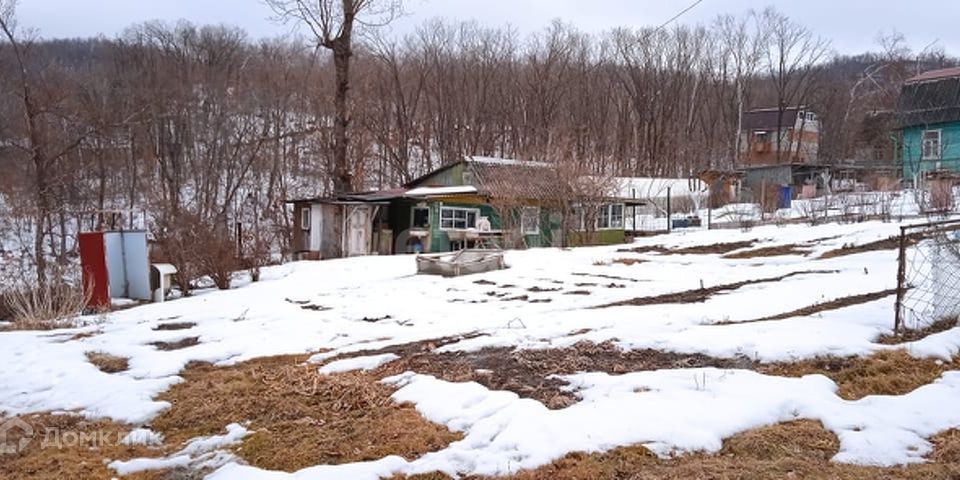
(901, 279)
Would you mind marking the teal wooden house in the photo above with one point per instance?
(929, 123)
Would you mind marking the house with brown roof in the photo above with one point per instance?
(773, 136)
(477, 202)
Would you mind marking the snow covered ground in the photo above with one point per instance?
(547, 299)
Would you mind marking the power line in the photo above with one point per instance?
(682, 13)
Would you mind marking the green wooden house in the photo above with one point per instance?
(929, 124)
(492, 202)
(477, 202)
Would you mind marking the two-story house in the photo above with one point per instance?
(770, 136)
(928, 119)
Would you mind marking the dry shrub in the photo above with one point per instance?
(300, 418)
(891, 372)
(44, 307)
(76, 459)
(108, 363)
(197, 248)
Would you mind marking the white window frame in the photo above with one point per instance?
(535, 212)
(605, 215)
(305, 218)
(938, 155)
(467, 211)
(413, 216)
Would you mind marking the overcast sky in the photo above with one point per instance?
(851, 25)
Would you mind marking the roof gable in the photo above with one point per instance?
(929, 102)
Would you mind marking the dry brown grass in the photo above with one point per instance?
(946, 447)
(800, 449)
(628, 261)
(300, 418)
(108, 363)
(891, 372)
(910, 335)
(77, 459)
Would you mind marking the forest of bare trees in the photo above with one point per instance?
(199, 128)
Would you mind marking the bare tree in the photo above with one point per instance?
(792, 55)
(332, 24)
(49, 135)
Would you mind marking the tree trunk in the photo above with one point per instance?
(343, 174)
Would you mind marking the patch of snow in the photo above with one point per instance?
(358, 363)
(143, 436)
(438, 191)
(204, 452)
(48, 371)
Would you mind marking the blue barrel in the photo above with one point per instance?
(786, 196)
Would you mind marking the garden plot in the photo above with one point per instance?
(712, 309)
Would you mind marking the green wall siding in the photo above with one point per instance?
(911, 152)
(450, 177)
(439, 241)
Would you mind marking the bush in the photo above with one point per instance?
(197, 248)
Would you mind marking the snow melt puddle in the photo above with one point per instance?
(662, 410)
(200, 453)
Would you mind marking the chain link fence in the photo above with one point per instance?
(928, 277)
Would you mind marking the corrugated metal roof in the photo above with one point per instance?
(931, 75)
(929, 102)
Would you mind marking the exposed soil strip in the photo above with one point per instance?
(163, 327)
(528, 372)
(776, 251)
(721, 248)
(891, 243)
(177, 345)
(821, 307)
(608, 277)
(703, 294)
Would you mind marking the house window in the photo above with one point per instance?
(931, 145)
(305, 218)
(421, 217)
(761, 136)
(453, 218)
(530, 220)
(610, 217)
